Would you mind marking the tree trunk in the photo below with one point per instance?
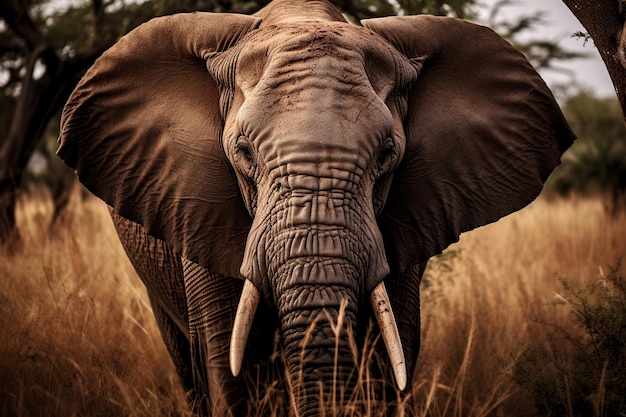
(39, 100)
(604, 20)
(8, 233)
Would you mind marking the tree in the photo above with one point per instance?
(43, 54)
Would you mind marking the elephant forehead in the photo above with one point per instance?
(312, 87)
(293, 57)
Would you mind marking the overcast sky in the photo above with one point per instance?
(560, 25)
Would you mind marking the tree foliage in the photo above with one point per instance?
(596, 163)
(542, 53)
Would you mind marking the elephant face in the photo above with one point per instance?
(314, 159)
(313, 129)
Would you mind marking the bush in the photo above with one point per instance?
(581, 372)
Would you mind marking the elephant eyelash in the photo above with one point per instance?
(245, 161)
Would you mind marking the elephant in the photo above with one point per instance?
(291, 172)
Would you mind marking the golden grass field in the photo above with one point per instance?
(77, 337)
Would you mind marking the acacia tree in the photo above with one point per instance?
(596, 163)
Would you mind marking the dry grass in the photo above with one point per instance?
(490, 294)
(77, 336)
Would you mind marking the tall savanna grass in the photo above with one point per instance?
(77, 337)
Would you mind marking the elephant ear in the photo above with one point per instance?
(142, 130)
(483, 134)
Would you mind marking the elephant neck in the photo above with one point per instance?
(290, 11)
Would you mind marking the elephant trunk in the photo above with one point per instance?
(318, 322)
(316, 267)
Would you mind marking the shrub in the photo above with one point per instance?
(580, 372)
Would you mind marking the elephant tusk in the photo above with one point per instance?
(389, 329)
(248, 304)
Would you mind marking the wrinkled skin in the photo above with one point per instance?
(314, 159)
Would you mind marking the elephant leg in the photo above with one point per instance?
(405, 300)
(162, 273)
(195, 310)
(177, 345)
(212, 302)
(158, 267)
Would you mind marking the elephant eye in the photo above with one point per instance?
(244, 155)
(243, 148)
(387, 155)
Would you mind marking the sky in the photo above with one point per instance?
(559, 25)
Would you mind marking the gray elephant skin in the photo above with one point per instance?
(294, 163)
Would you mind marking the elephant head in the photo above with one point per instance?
(313, 158)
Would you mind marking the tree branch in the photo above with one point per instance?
(17, 18)
(9, 47)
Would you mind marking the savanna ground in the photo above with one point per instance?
(77, 337)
